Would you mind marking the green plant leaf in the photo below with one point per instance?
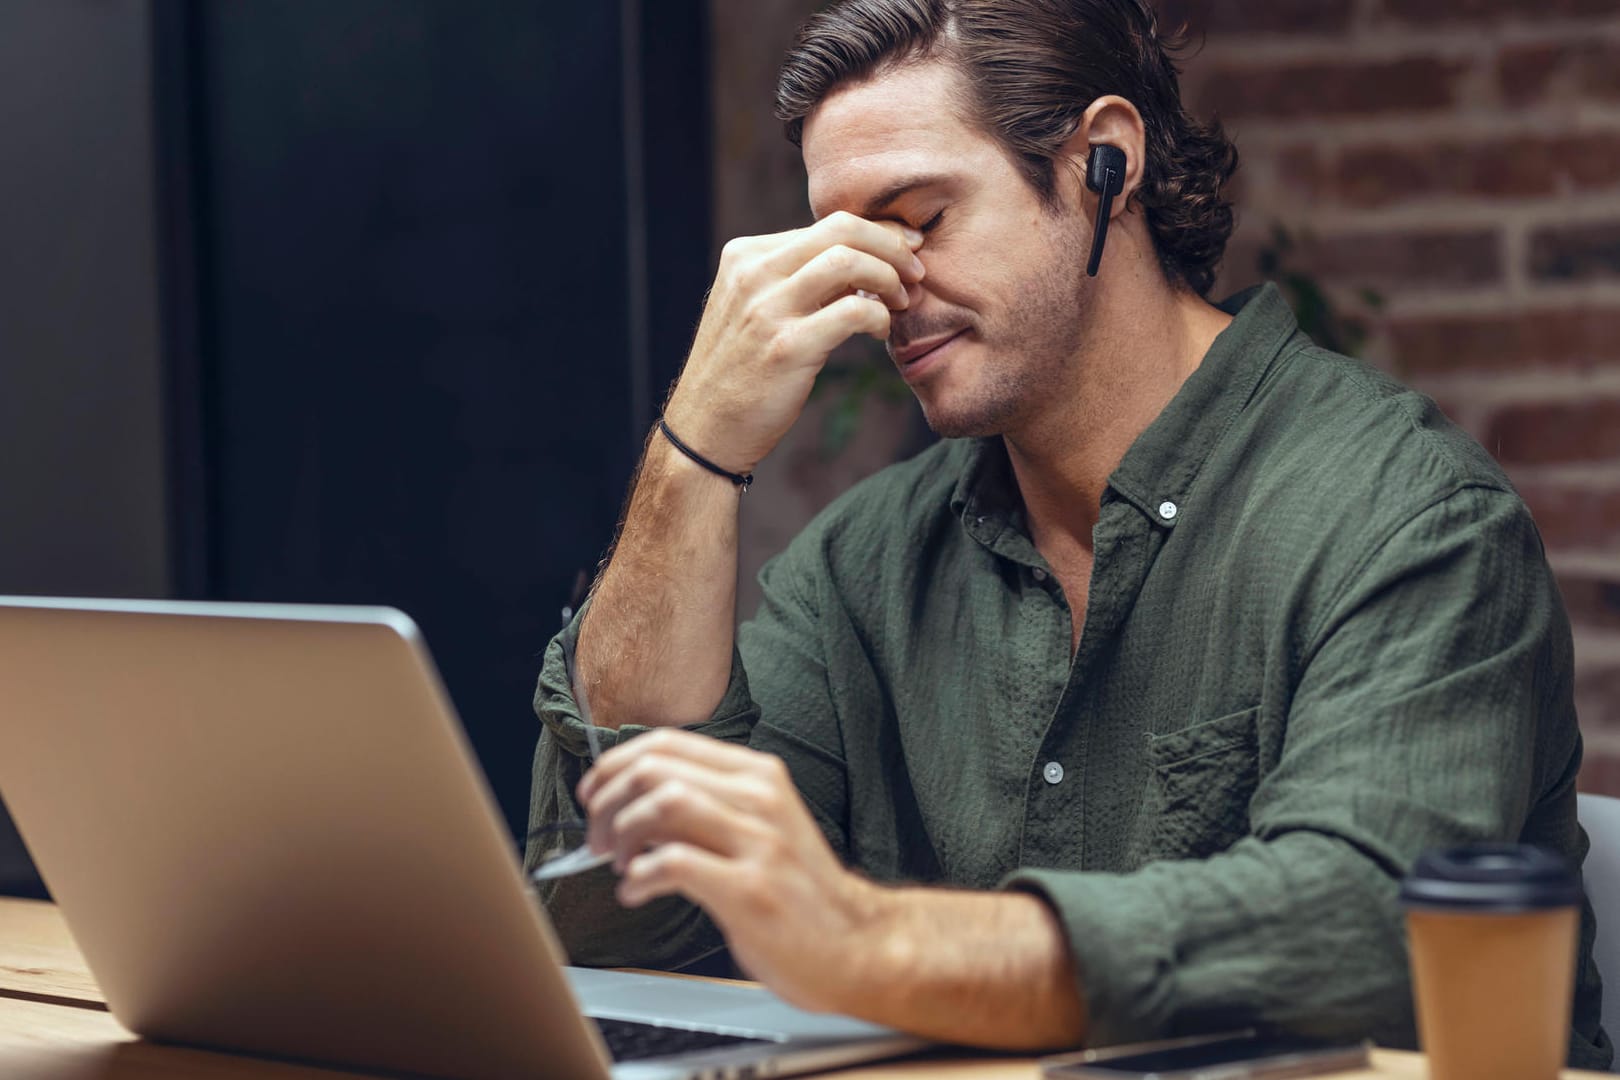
(1318, 314)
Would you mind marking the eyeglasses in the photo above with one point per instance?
(565, 862)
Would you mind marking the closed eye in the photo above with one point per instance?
(931, 223)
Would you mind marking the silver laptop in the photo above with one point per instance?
(266, 830)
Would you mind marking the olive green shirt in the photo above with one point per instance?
(1321, 637)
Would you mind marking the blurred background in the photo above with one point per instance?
(373, 301)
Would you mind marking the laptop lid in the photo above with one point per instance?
(268, 834)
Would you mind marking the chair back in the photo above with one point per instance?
(1600, 817)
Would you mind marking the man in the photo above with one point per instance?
(1120, 712)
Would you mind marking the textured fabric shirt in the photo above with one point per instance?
(1321, 637)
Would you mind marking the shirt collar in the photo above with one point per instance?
(986, 494)
(1158, 470)
(1160, 467)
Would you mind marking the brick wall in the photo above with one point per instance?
(1462, 158)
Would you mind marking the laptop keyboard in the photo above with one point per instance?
(629, 1041)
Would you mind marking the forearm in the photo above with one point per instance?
(976, 968)
(656, 641)
(655, 645)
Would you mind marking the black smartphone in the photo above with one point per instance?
(1240, 1055)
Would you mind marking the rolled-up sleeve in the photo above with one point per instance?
(785, 678)
(594, 928)
(1428, 706)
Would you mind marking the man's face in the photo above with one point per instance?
(994, 326)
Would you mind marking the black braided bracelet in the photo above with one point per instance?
(739, 479)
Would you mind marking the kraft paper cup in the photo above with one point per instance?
(1492, 931)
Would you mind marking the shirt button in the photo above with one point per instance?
(1053, 772)
(1168, 510)
(1040, 575)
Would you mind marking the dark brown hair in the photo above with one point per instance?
(1033, 67)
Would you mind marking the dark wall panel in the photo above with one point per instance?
(82, 481)
(674, 77)
(416, 254)
(81, 457)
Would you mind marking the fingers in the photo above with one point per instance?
(703, 877)
(771, 320)
(840, 270)
(840, 320)
(668, 742)
(889, 241)
(655, 783)
(677, 812)
(662, 798)
(678, 786)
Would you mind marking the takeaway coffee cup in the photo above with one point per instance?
(1492, 931)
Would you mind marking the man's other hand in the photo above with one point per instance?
(779, 305)
(724, 826)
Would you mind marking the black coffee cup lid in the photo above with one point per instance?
(1491, 877)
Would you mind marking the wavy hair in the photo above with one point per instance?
(1033, 67)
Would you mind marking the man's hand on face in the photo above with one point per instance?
(724, 826)
(779, 305)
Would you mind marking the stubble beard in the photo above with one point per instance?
(1025, 348)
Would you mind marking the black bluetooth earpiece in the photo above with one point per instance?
(1105, 174)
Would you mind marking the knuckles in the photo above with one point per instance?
(671, 796)
(841, 259)
(735, 250)
(756, 893)
(774, 849)
(643, 774)
(782, 346)
(768, 802)
(776, 769)
(842, 222)
(664, 863)
(746, 276)
(659, 738)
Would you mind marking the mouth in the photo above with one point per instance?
(913, 353)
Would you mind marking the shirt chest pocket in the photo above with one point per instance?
(1200, 781)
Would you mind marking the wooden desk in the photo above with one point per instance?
(55, 1026)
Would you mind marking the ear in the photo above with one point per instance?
(1114, 121)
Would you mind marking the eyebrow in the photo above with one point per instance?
(889, 195)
